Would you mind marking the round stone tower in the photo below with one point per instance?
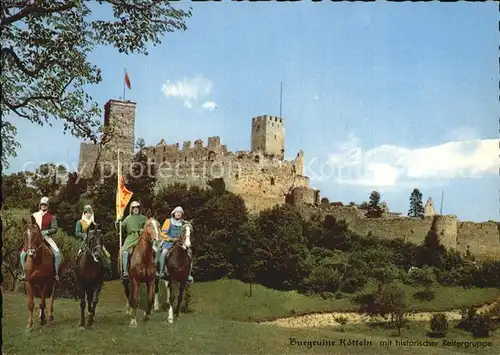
(302, 195)
(446, 228)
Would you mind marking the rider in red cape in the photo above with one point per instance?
(48, 225)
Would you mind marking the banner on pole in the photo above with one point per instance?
(123, 196)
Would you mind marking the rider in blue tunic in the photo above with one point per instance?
(171, 231)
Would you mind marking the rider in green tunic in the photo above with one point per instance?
(81, 229)
(132, 226)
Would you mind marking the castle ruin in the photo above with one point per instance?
(261, 175)
(263, 178)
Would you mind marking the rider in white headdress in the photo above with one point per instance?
(171, 231)
(81, 229)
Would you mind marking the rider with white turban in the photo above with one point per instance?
(171, 231)
(47, 223)
(131, 228)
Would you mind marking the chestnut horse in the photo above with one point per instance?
(90, 274)
(142, 268)
(177, 267)
(40, 272)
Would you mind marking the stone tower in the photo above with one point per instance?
(429, 208)
(119, 123)
(119, 117)
(268, 136)
(119, 134)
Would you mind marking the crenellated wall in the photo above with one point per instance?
(262, 181)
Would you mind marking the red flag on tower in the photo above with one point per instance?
(127, 80)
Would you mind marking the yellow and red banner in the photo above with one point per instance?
(123, 196)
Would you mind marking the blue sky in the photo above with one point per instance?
(395, 96)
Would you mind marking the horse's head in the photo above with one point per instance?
(94, 241)
(186, 233)
(32, 236)
(151, 229)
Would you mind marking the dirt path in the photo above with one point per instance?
(328, 319)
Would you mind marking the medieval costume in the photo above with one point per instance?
(81, 230)
(131, 228)
(48, 226)
(171, 231)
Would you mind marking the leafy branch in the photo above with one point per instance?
(44, 57)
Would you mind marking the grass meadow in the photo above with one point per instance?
(223, 319)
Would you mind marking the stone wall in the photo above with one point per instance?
(262, 181)
(87, 159)
(482, 239)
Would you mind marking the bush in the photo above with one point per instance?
(488, 275)
(439, 325)
(322, 279)
(425, 295)
(482, 326)
(468, 316)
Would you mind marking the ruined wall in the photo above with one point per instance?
(262, 181)
(481, 238)
(87, 159)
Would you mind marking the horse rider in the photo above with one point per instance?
(81, 229)
(131, 228)
(48, 226)
(171, 231)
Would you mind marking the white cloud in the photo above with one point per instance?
(209, 105)
(189, 90)
(394, 166)
(464, 133)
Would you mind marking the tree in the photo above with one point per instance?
(140, 144)
(283, 247)
(416, 205)
(45, 50)
(68, 204)
(374, 209)
(47, 179)
(16, 192)
(141, 180)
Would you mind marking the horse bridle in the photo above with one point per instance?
(94, 249)
(31, 251)
(149, 237)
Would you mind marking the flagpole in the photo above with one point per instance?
(124, 76)
(281, 100)
(119, 196)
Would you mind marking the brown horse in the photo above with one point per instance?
(40, 272)
(142, 268)
(177, 267)
(90, 274)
